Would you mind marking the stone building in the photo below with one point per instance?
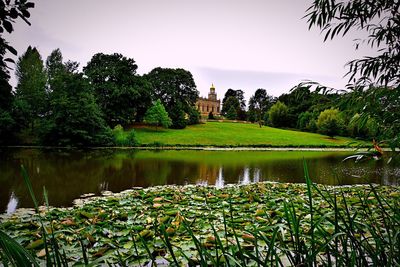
(210, 104)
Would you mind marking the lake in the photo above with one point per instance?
(67, 173)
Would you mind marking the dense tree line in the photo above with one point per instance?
(56, 104)
(313, 108)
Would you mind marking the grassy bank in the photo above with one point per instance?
(264, 224)
(229, 134)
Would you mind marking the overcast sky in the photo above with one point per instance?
(239, 44)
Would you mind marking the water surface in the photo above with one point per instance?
(67, 174)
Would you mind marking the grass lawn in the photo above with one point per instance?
(222, 134)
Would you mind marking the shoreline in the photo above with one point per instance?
(213, 148)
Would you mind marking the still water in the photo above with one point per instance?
(67, 174)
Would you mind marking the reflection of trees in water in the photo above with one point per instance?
(67, 174)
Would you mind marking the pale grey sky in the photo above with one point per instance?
(239, 44)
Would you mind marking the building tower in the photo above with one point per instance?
(212, 95)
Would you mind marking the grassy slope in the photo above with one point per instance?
(236, 134)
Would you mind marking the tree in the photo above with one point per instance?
(194, 116)
(259, 103)
(380, 19)
(278, 115)
(232, 114)
(157, 115)
(232, 106)
(31, 87)
(54, 66)
(74, 119)
(173, 87)
(306, 121)
(178, 116)
(329, 122)
(240, 109)
(119, 91)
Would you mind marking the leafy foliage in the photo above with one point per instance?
(122, 138)
(173, 87)
(232, 106)
(75, 118)
(329, 122)
(236, 99)
(380, 19)
(194, 116)
(119, 91)
(278, 115)
(259, 104)
(178, 116)
(10, 10)
(158, 116)
(31, 87)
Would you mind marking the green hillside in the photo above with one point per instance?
(236, 134)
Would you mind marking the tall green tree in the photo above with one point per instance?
(121, 93)
(157, 115)
(239, 95)
(31, 87)
(54, 66)
(74, 119)
(259, 103)
(232, 105)
(176, 89)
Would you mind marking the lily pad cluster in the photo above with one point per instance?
(188, 225)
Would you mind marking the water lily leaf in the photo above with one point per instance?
(36, 244)
(101, 251)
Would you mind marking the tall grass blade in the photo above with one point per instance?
(310, 200)
(16, 254)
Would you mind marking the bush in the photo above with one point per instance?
(211, 116)
(306, 122)
(278, 115)
(330, 122)
(122, 138)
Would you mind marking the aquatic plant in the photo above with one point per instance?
(263, 224)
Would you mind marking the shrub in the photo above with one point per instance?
(306, 122)
(122, 138)
(330, 122)
(211, 116)
(278, 115)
